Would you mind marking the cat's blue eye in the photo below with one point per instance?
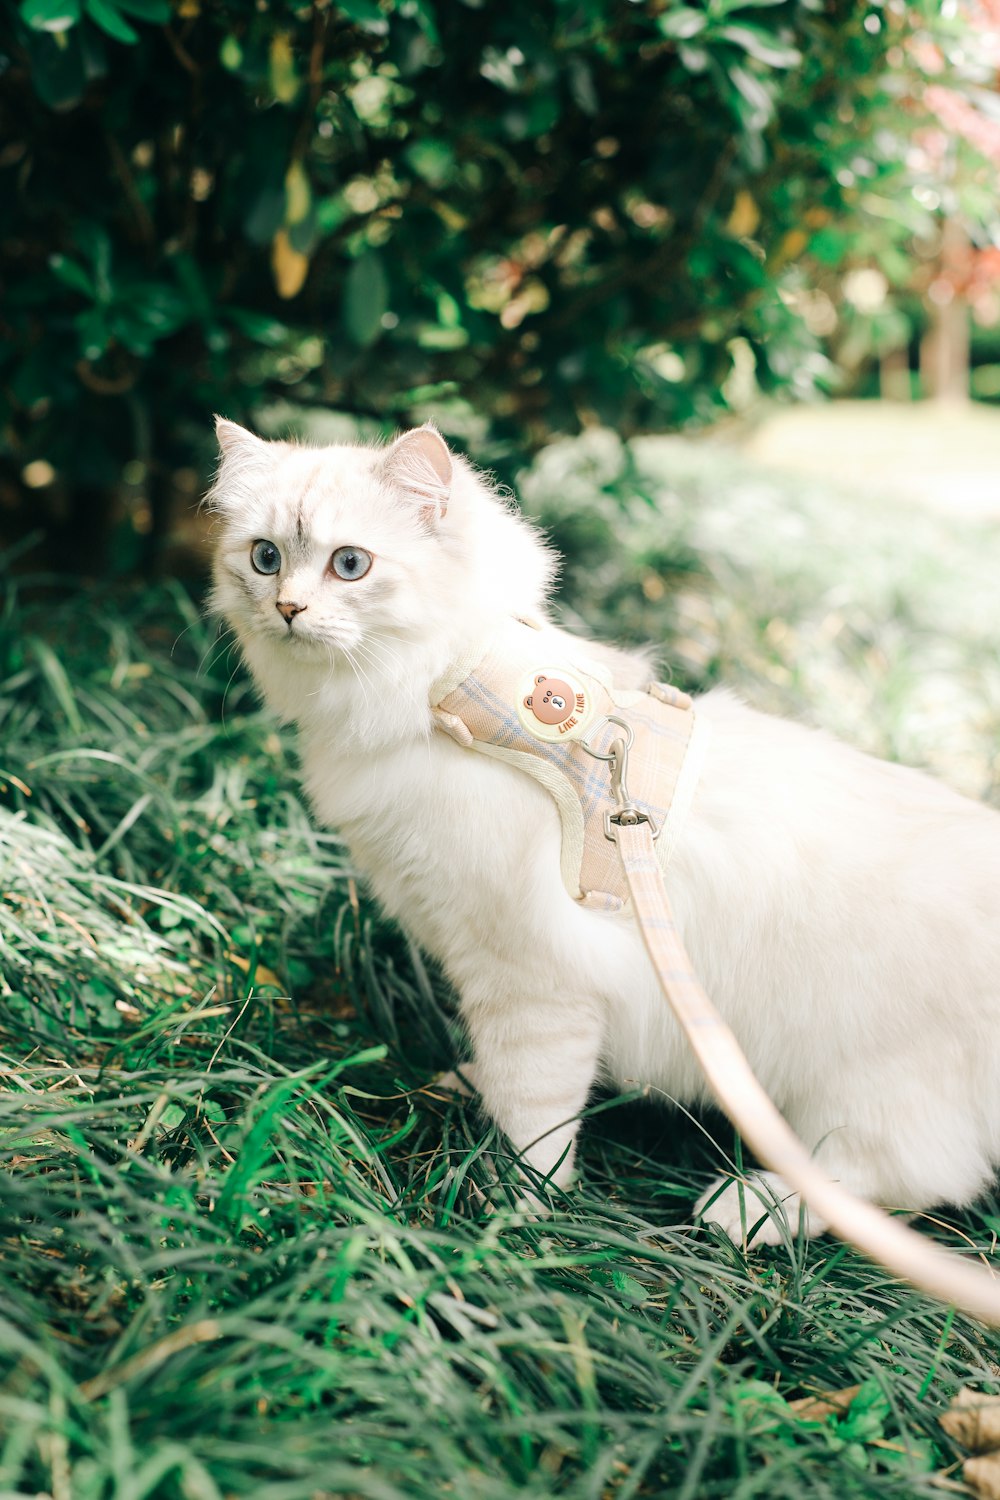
(351, 562)
(265, 557)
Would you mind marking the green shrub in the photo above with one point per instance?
(549, 212)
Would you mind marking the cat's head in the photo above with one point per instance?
(320, 546)
(324, 552)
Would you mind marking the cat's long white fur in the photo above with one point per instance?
(841, 911)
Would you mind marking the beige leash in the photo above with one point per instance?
(909, 1255)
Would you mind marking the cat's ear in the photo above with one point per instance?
(420, 465)
(242, 458)
(235, 440)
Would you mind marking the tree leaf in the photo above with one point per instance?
(266, 214)
(289, 265)
(104, 15)
(157, 12)
(364, 13)
(231, 53)
(725, 7)
(683, 23)
(581, 86)
(434, 161)
(695, 59)
(50, 15)
(259, 327)
(761, 45)
(756, 95)
(423, 14)
(366, 298)
(298, 195)
(92, 330)
(57, 69)
(72, 275)
(282, 70)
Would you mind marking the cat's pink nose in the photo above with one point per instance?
(288, 610)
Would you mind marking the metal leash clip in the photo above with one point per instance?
(627, 813)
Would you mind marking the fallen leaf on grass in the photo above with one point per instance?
(824, 1403)
(261, 975)
(974, 1421)
(982, 1475)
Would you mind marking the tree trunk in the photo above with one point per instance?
(944, 349)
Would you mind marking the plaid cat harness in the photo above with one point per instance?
(533, 701)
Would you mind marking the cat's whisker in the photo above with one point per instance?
(180, 636)
(382, 650)
(360, 674)
(225, 694)
(211, 648)
(393, 665)
(222, 656)
(327, 646)
(359, 650)
(207, 661)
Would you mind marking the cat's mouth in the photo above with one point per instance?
(304, 640)
(296, 635)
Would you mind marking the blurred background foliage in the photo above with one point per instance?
(525, 220)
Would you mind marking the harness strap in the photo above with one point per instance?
(531, 698)
(909, 1255)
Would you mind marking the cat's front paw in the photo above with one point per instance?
(760, 1210)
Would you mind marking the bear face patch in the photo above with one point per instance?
(550, 700)
(553, 706)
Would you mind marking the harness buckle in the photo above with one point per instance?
(627, 817)
(627, 813)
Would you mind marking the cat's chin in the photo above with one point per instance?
(298, 641)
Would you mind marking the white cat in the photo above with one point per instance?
(842, 912)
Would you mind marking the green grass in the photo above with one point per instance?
(246, 1248)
